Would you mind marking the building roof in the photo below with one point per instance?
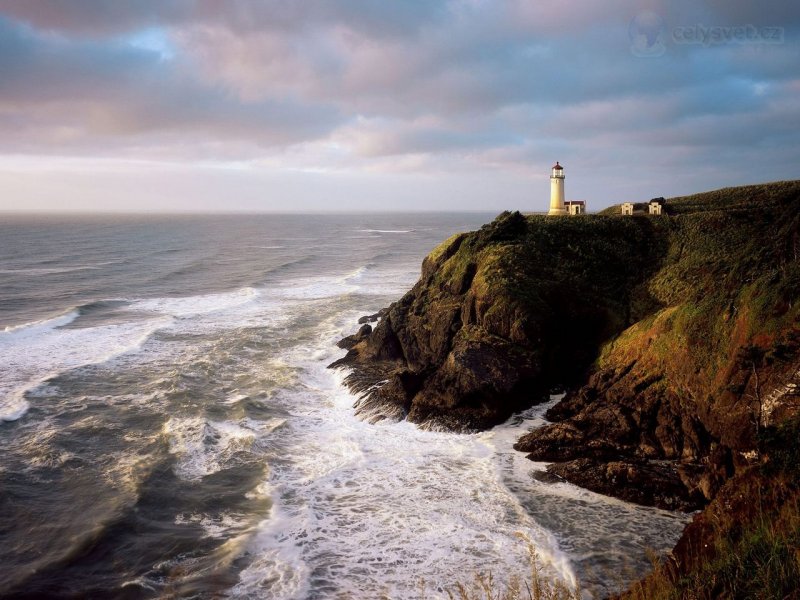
(575, 202)
(558, 166)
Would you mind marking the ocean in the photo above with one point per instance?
(169, 429)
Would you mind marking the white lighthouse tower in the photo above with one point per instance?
(557, 191)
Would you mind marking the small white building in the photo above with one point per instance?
(575, 207)
(627, 208)
(655, 206)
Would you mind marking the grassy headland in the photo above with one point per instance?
(678, 341)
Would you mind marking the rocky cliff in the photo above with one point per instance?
(694, 381)
(502, 316)
(676, 338)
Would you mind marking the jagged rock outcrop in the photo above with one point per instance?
(745, 543)
(500, 317)
(651, 483)
(691, 382)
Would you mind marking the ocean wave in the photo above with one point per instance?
(363, 279)
(13, 406)
(47, 270)
(366, 515)
(217, 526)
(42, 325)
(357, 273)
(287, 266)
(203, 447)
(315, 288)
(235, 399)
(190, 306)
(38, 352)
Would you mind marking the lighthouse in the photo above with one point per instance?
(557, 191)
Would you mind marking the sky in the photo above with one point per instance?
(398, 105)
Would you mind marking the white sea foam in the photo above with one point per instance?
(278, 568)
(36, 327)
(210, 313)
(217, 526)
(315, 288)
(47, 270)
(366, 510)
(235, 399)
(365, 279)
(33, 354)
(13, 405)
(356, 274)
(203, 447)
(389, 283)
(190, 306)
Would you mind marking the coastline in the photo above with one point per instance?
(462, 350)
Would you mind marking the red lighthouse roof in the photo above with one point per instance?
(558, 166)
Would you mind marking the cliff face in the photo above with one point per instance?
(503, 315)
(745, 543)
(676, 337)
(694, 381)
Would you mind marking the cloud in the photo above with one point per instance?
(427, 86)
(59, 92)
(98, 18)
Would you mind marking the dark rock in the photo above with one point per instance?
(374, 317)
(644, 321)
(648, 483)
(346, 343)
(351, 340)
(570, 405)
(492, 325)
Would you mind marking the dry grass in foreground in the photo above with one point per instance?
(534, 587)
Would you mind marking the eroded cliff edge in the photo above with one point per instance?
(501, 316)
(676, 338)
(694, 381)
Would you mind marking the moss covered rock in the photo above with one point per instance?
(502, 316)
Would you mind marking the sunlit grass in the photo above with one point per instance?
(534, 585)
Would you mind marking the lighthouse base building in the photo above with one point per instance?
(575, 207)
